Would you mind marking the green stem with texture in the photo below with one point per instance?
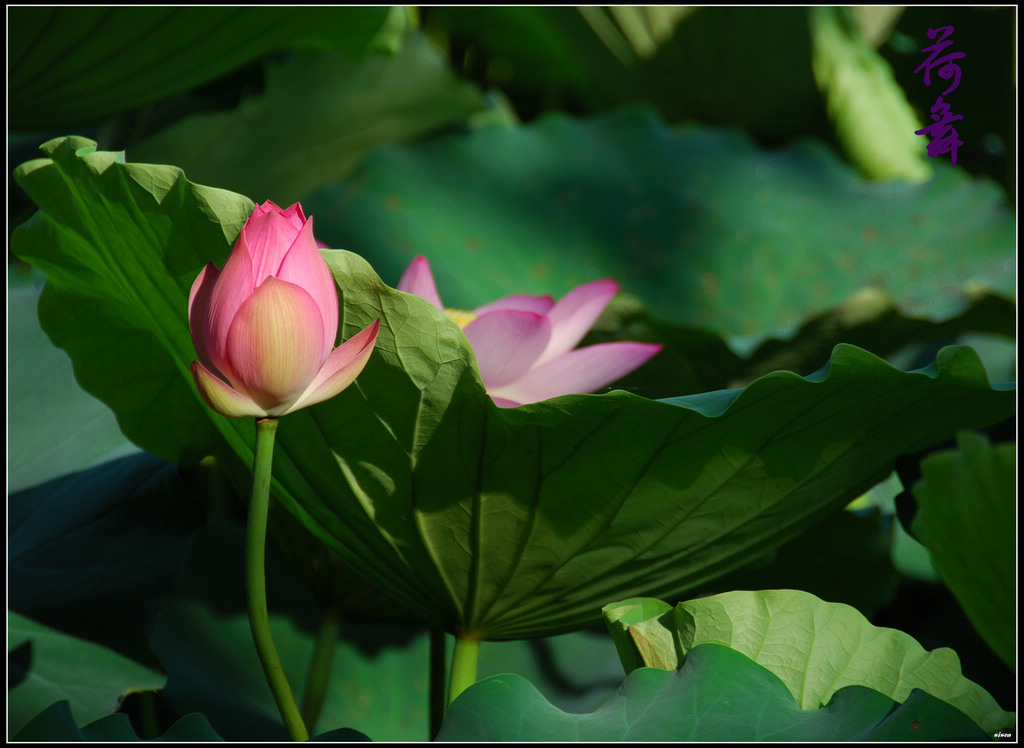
(464, 660)
(256, 583)
(320, 666)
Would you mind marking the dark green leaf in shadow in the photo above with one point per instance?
(845, 558)
(702, 69)
(708, 229)
(57, 725)
(697, 360)
(202, 635)
(967, 501)
(53, 427)
(536, 46)
(72, 66)
(718, 695)
(344, 735)
(92, 678)
(318, 116)
(92, 554)
(378, 682)
(576, 672)
(747, 67)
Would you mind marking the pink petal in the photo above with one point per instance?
(274, 345)
(198, 306)
(268, 239)
(305, 267)
(418, 280)
(574, 315)
(293, 213)
(340, 369)
(521, 302)
(268, 207)
(507, 343)
(234, 285)
(221, 397)
(579, 371)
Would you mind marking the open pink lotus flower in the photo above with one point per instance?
(524, 345)
(264, 326)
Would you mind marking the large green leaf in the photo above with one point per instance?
(707, 228)
(719, 694)
(502, 522)
(72, 66)
(318, 115)
(53, 427)
(817, 648)
(92, 553)
(45, 666)
(126, 242)
(528, 518)
(968, 499)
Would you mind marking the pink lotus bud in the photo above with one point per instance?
(525, 345)
(264, 326)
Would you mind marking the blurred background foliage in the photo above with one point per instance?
(750, 175)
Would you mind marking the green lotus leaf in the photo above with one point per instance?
(503, 523)
(816, 648)
(968, 500)
(719, 694)
(319, 114)
(92, 554)
(57, 724)
(707, 228)
(71, 66)
(39, 674)
(602, 60)
(53, 427)
(125, 241)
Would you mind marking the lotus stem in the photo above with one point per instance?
(256, 585)
(320, 663)
(464, 662)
